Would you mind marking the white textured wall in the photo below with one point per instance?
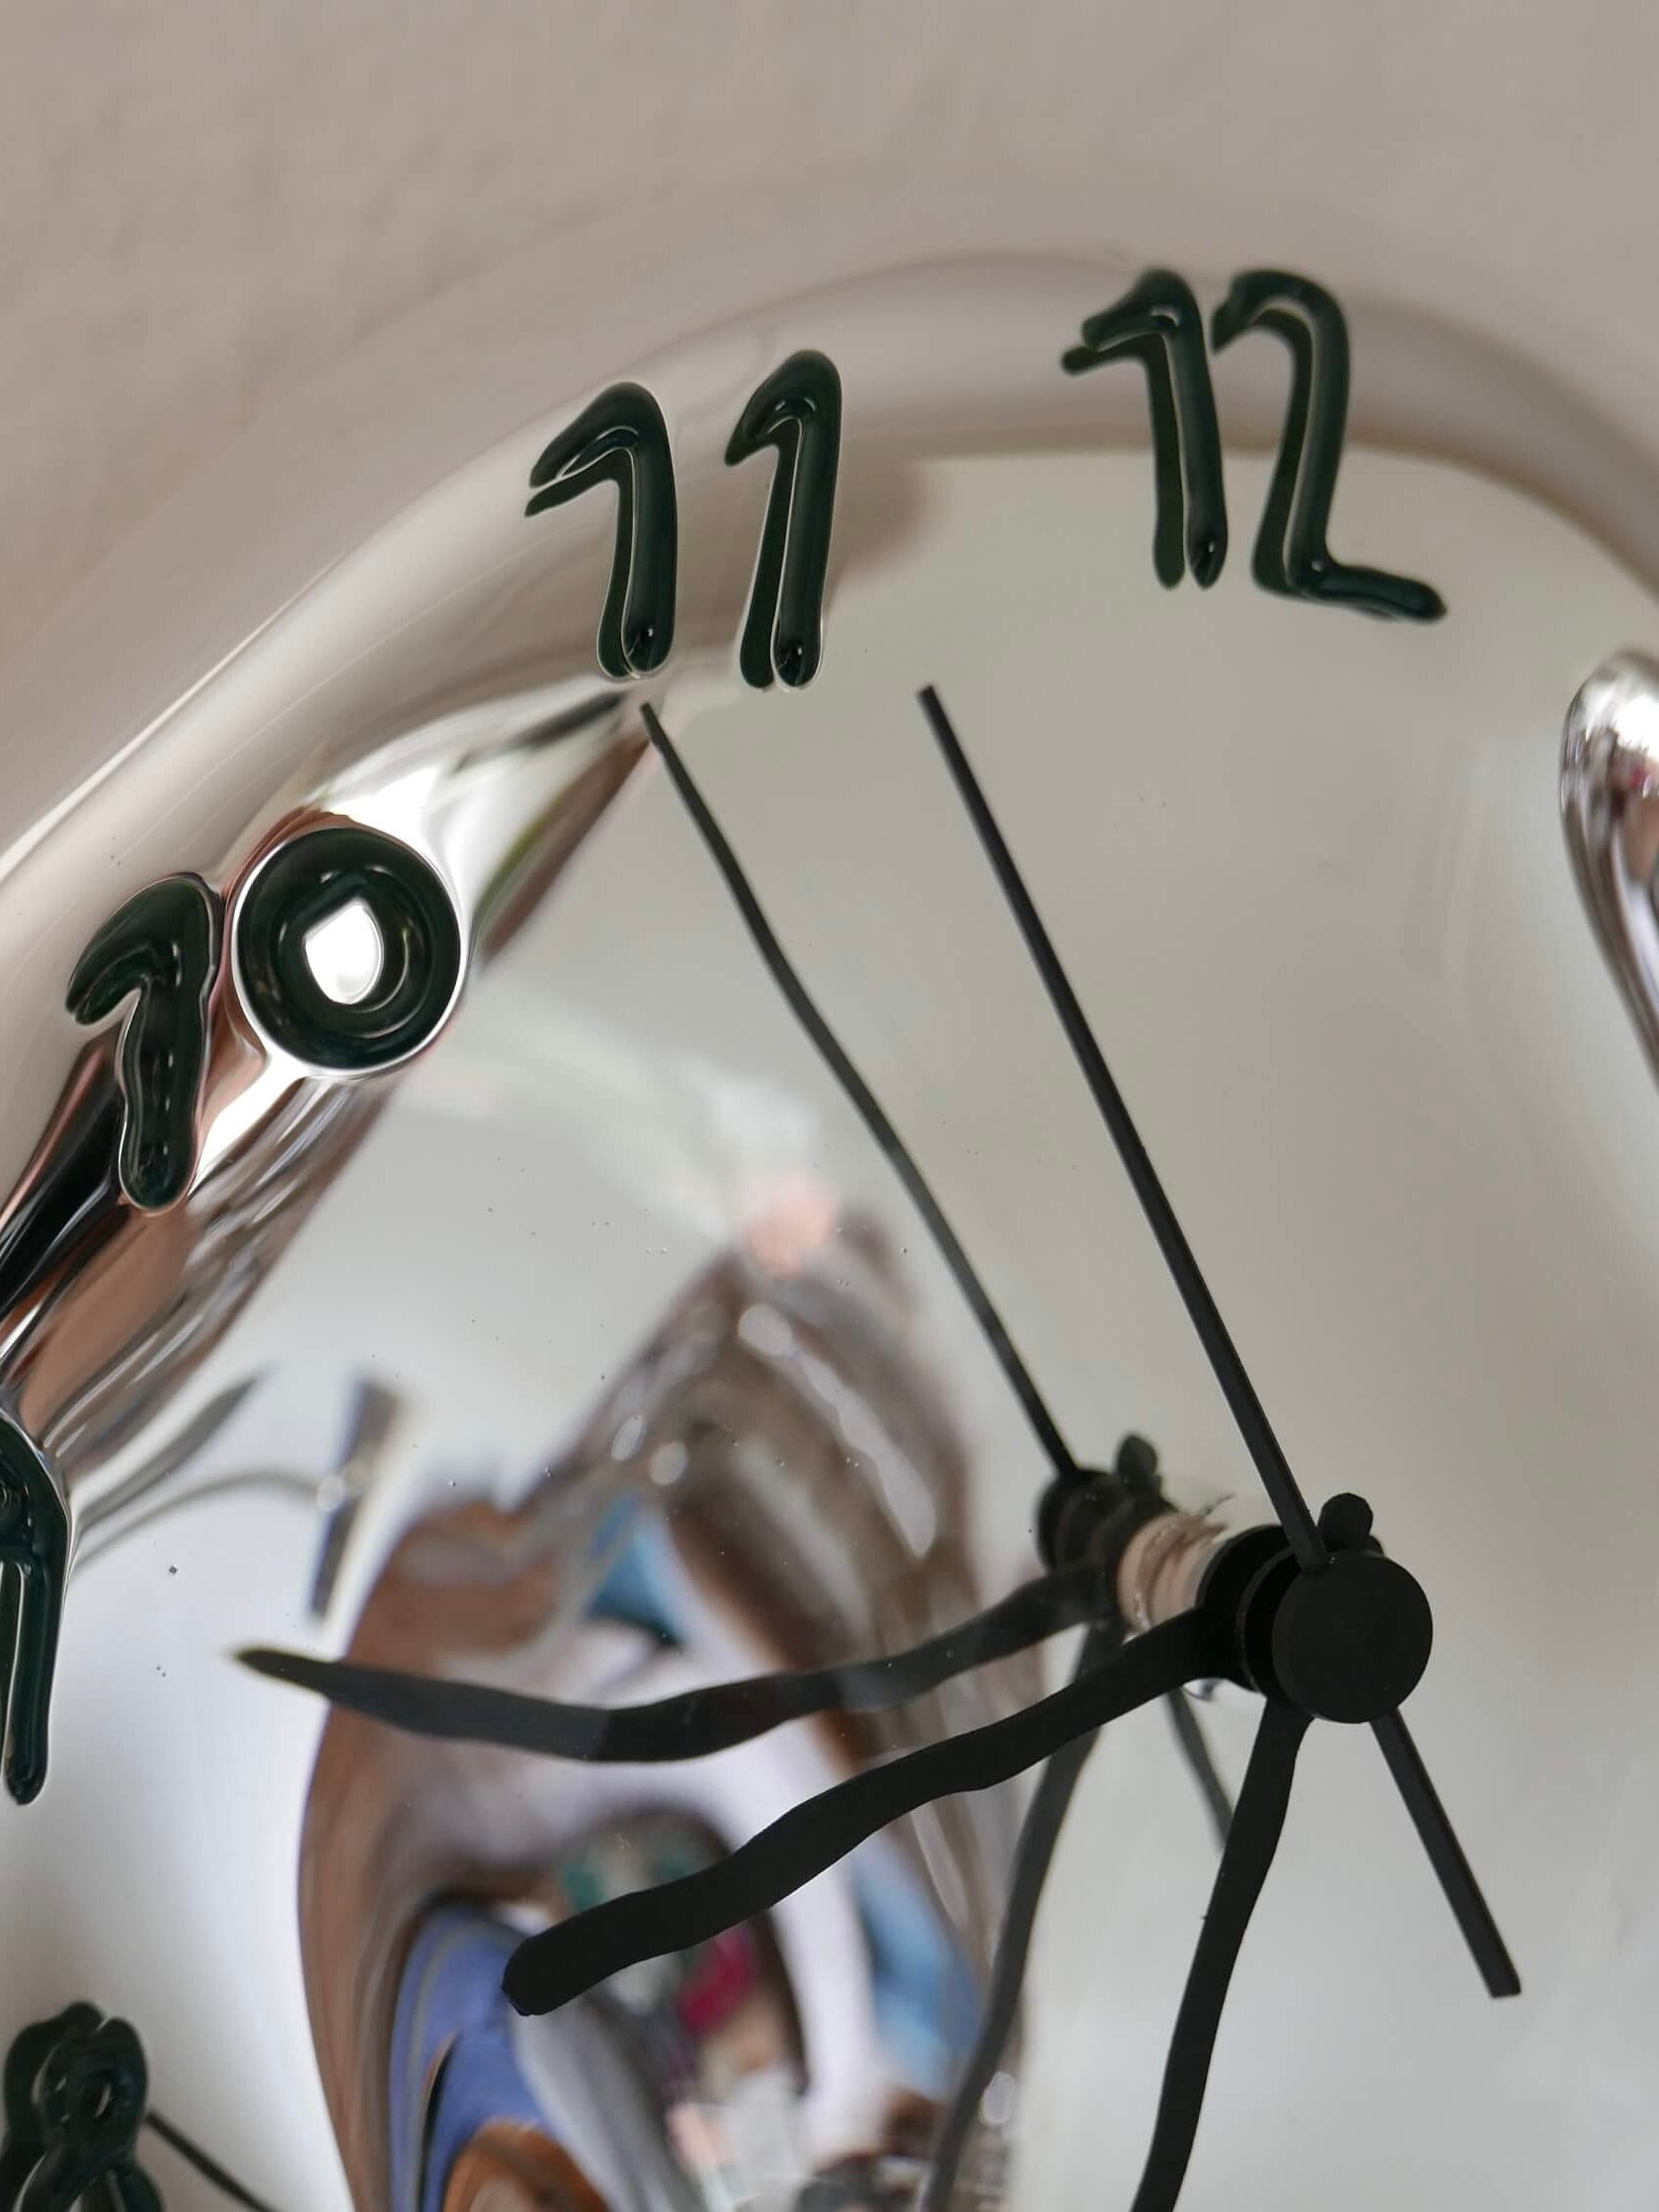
(204, 203)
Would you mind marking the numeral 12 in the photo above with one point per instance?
(1158, 322)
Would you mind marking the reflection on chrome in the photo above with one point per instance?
(771, 1482)
(105, 1308)
(1610, 810)
(113, 1290)
(726, 1464)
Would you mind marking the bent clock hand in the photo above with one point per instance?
(865, 1104)
(574, 1955)
(1045, 1816)
(701, 1722)
(1257, 1825)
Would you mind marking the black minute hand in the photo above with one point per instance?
(1306, 1538)
(1253, 1426)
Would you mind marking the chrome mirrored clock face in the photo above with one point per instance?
(550, 1171)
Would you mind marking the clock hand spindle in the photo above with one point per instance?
(1097, 1517)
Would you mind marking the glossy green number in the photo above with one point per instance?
(1292, 557)
(163, 948)
(621, 440)
(798, 410)
(304, 884)
(33, 1557)
(1159, 324)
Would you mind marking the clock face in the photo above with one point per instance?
(558, 1145)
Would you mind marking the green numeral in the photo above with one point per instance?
(1292, 557)
(33, 1557)
(621, 440)
(797, 410)
(163, 946)
(1159, 325)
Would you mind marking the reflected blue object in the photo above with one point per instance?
(453, 2070)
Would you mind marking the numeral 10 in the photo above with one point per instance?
(164, 950)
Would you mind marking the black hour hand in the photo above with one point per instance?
(698, 1722)
(1258, 1821)
(572, 1956)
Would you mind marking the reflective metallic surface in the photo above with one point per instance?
(592, 1352)
(704, 1525)
(109, 1306)
(1610, 810)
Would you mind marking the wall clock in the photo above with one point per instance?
(851, 1137)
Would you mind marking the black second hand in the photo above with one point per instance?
(1246, 1409)
(865, 1104)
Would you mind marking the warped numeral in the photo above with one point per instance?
(313, 877)
(1292, 557)
(75, 2090)
(622, 439)
(163, 945)
(797, 410)
(1159, 324)
(33, 1559)
(1247, 1859)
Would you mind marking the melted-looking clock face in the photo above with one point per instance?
(582, 1342)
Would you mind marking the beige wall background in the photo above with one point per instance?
(205, 202)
